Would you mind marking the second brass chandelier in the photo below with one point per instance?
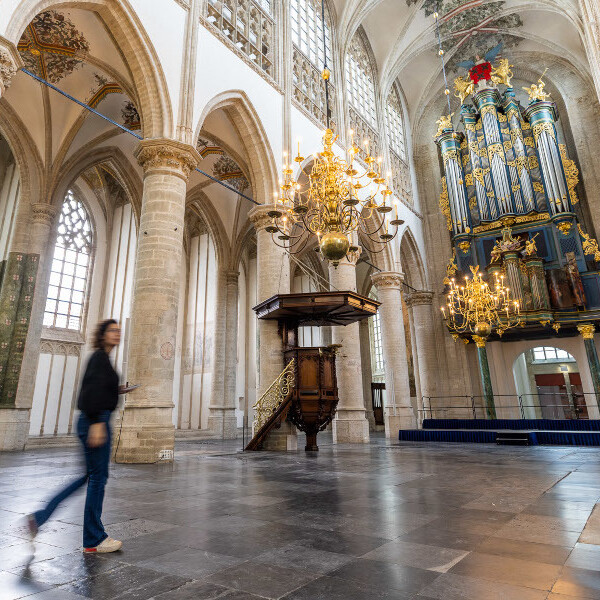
(337, 204)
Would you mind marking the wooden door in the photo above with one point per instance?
(377, 399)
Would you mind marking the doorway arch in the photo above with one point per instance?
(548, 383)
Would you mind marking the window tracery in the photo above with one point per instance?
(70, 269)
(309, 57)
(401, 182)
(377, 364)
(360, 81)
(395, 125)
(248, 26)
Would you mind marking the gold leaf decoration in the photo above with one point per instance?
(571, 173)
(445, 204)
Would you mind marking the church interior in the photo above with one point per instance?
(352, 250)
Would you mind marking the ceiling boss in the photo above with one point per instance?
(338, 203)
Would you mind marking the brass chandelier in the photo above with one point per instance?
(478, 309)
(338, 205)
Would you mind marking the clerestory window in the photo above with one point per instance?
(308, 36)
(70, 267)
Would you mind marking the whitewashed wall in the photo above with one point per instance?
(9, 193)
(64, 353)
(119, 279)
(197, 355)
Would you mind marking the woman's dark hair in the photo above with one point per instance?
(101, 331)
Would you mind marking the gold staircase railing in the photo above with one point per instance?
(272, 407)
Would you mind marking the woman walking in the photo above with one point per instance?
(97, 400)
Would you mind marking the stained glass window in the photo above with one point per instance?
(70, 267)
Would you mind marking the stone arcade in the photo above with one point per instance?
(146, 153)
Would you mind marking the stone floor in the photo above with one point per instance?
(434, 521)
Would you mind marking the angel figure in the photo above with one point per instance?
(480, 69)
(463, 88)
(536, 92)
(530, 246)
(503, 72)
(443, 123)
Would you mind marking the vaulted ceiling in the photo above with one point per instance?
(403, 37)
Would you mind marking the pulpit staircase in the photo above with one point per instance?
(272, 408)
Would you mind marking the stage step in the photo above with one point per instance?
(512, 438)
(485, 436)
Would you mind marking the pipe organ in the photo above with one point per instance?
(508, 193)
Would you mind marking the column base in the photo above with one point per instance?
(145, 435)
(14, 428)
(351, 427)
(284, 439)
(403, 419)
(223, 422)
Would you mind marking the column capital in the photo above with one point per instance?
(352, 256)
(10, 63)
(387, 280)
(43, 213)
(418, 298)
(259, 216)
(587, 330)
(169, 156)
(232, 277)
(479, 341)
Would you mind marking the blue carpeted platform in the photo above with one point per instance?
(514, 424)
(487, 436)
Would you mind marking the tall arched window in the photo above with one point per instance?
(396, 142)
(377, 365)
(309, 56)
(360, 89)
(70, 267)
(395, 126)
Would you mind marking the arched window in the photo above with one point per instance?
(551, 354)
(360, 89)
(396, 142)
(377, 365)
(360, 80)
(395, 126)
(309, 56)
(246, 25)
(70, 267)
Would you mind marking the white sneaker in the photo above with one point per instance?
(107, 545)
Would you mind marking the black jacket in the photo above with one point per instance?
(99, 388)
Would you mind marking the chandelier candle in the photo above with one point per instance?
(329, 207)
(476, 309)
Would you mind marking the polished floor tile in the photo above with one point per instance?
(384, 520)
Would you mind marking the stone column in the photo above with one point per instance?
(273, 277)
(590, 22)
(10, 62)
(24, 346)
(420, 304)
(222, 418)
(486, 380)
(147, 432)
(399, 413)
(587, 333)
(350, 424)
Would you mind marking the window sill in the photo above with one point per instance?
(55, 334)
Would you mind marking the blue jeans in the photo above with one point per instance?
(96, 461)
